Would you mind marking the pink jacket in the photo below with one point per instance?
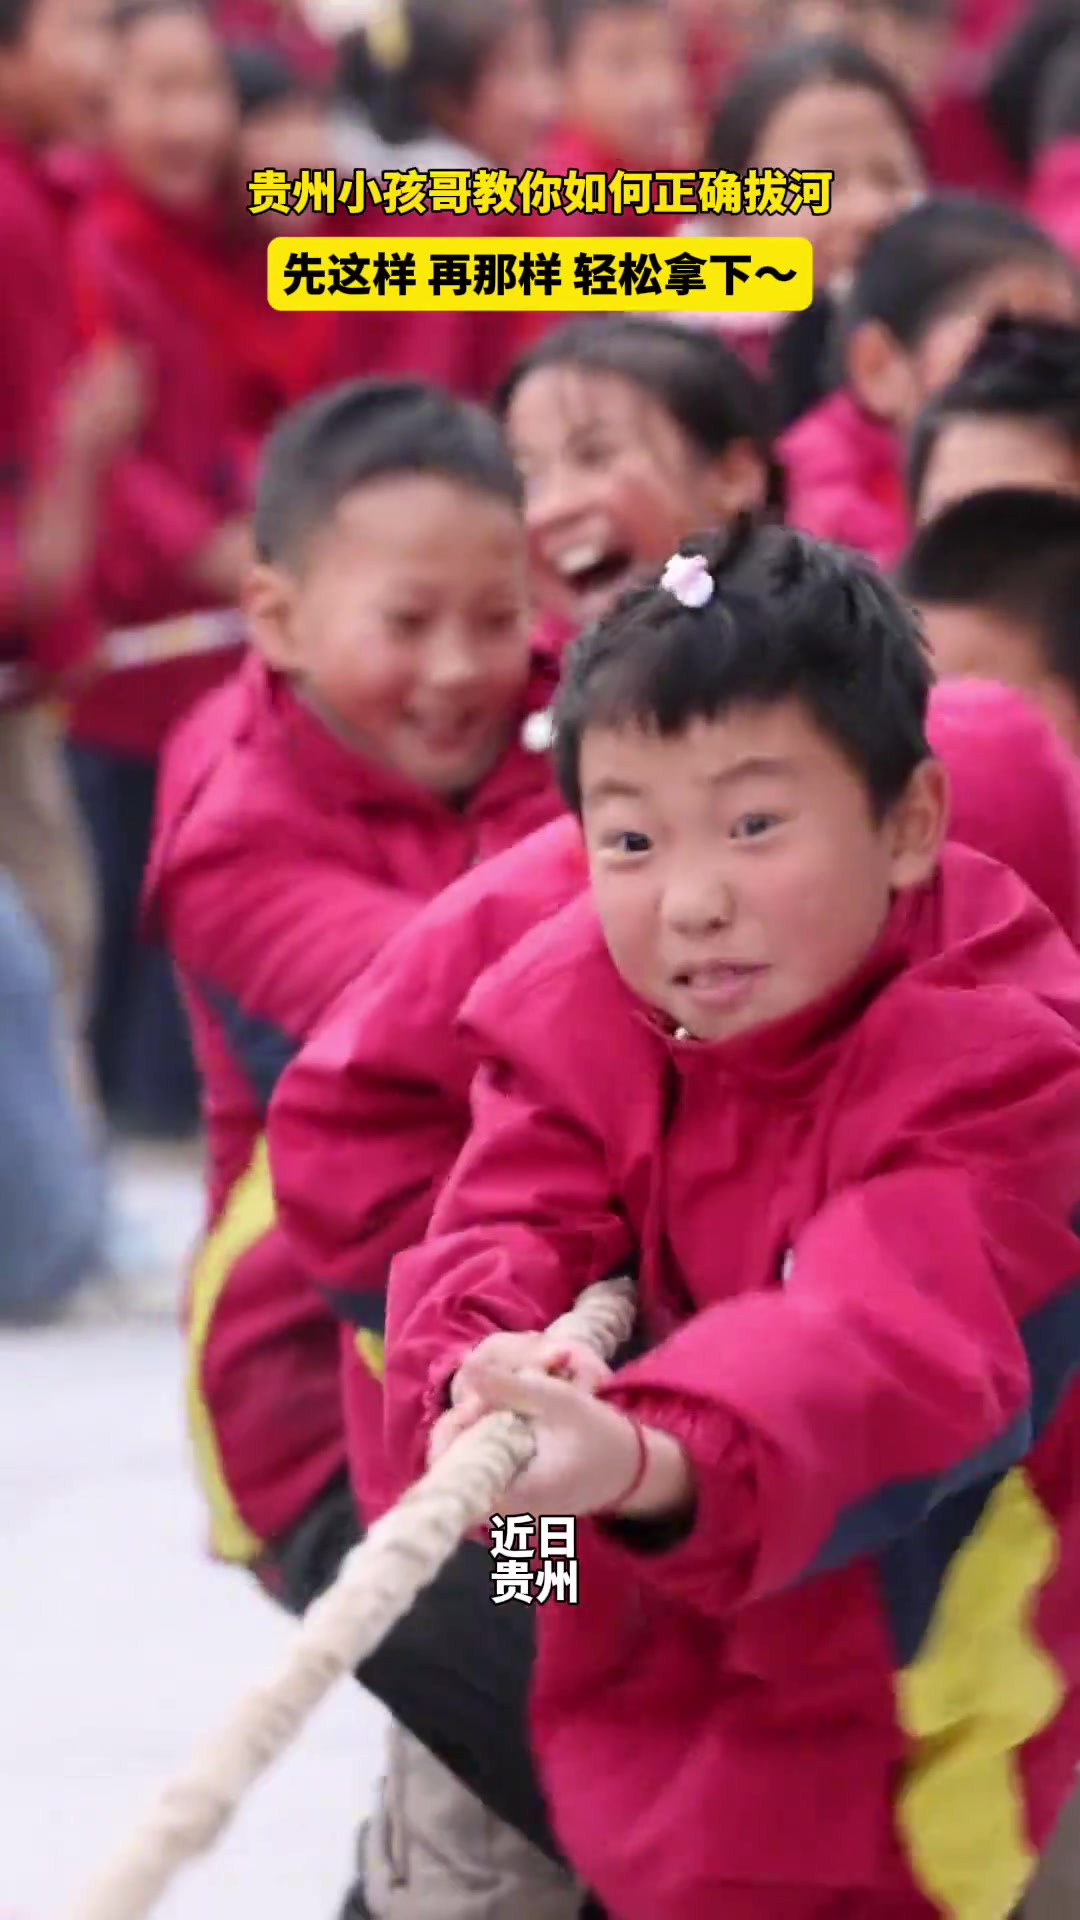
(845, 481)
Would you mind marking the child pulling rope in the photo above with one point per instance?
(377, 1585)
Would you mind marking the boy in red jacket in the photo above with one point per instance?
(369, 753)
(61, 422)
(822, 1081)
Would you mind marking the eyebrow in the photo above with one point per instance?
(753, 765)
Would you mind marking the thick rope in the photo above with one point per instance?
(377, 1584)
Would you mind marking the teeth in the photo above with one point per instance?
(580, 559)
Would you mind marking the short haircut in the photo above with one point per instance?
(926, 263)
(1013, 552)
(709, 393)
(363, 432)
(1026, 370)
(791, 618)
(766, 84)
(565, 18)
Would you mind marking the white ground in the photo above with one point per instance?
(121, 1645)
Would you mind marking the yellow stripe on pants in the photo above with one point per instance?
(981, 1687)
(247, 1216)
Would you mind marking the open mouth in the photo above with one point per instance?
(447, 734)
(716, 981)
(591, 570)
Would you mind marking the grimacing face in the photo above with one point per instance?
(738, 869)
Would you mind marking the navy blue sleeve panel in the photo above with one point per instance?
(260, 1049)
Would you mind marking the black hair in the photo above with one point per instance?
(768, 83)
(366, 431)
(1021, 369)
(791, 618)
(414, 52)
(565, 18)
(1058, 114)
(262, 78)
(927, 262)
(14, 18)
(1021, 67)
(1013, 552)
(712, 397)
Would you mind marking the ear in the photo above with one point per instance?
(917, 826)
(269, 603)
(736, 482)
(880, 374)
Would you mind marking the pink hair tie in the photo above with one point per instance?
(688, 579)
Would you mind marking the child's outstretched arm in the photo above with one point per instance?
(526, 1221)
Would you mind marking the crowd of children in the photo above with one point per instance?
(485, 774)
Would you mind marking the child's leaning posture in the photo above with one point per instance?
(820, 1082)
(628, 433)
(368, 753)
(926, 288)
(1010, 418)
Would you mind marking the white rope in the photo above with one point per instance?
(377, 1584)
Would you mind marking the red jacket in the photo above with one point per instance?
(371, 1115)
(189, 477)
(574, 149)
(222, 366)
(857, 1248)
(1054, 194)
(845, 481)
(1014, 788)
(281, 864)
(37, 346)
(469, 353)
(387, 1067)
(962, 152)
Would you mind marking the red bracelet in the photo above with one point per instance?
(640, 1470)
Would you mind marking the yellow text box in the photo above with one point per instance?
(522, 276)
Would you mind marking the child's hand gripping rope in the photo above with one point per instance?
(377, 1585)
